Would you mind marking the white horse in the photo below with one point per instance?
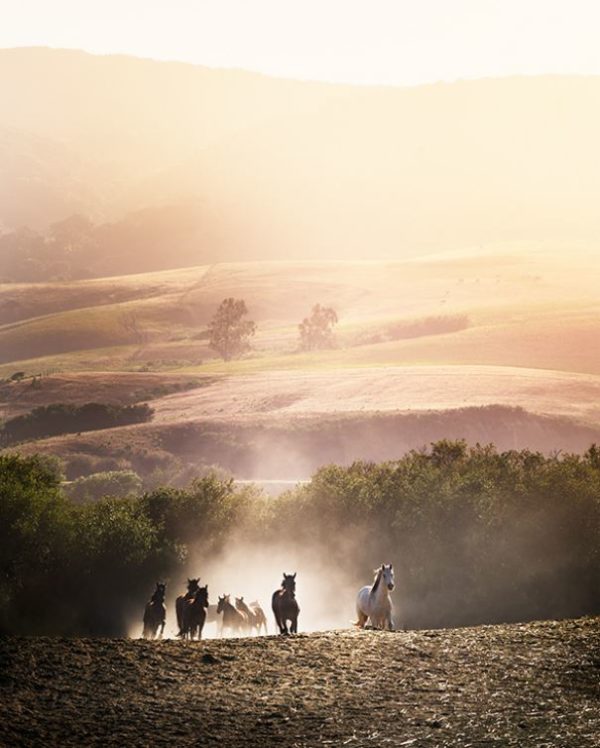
(374, 601)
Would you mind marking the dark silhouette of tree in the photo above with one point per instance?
(316, 331)
(228, 331)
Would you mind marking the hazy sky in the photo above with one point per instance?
(384, 41)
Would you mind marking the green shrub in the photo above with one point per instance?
(115, 483)
(66, 418)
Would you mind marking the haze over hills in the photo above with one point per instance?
(261, 168)
(453, 227)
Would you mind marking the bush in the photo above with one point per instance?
(61, 418)
(115, 483)
(34, 524)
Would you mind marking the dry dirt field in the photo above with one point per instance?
(386, 389)
(513, 685)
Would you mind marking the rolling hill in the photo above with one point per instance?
(275, 169)
(452, 227)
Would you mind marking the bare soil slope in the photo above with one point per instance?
(386, 389)
(514, 685)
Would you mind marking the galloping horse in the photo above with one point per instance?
(194, 614)
(155, 613)
(374, 601)
(285, 607)
(234, 620)
(259, 616)
(254, 613)
(193, 585)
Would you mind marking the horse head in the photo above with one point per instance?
(289, 582)
(201, 596)
(222, 604)
(193, 585)
(387, 573)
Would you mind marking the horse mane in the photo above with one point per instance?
(377, 580)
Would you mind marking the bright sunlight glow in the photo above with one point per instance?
(356, 41)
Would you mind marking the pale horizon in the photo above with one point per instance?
(382, 43)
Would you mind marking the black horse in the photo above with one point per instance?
(155, 613)
(194, 614)
(193, 585)
(285, 607)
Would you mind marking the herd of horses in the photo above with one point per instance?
(193, 610)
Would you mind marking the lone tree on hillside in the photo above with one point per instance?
(228, 331)
(316, 331)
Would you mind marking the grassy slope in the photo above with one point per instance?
(528, 339)
(511, 685)
(523, 308)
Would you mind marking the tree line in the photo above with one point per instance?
(475, 536)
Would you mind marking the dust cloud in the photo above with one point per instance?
(325, 588)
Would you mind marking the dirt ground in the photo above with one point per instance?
(512, 685)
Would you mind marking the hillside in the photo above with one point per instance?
(496, 346)
(260, 168)
(532, 306)
(515, 685)
(273, 446)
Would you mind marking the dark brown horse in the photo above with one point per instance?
(155, 613)
(194, 614)
(254, 613)
(193, 586)
(285, 607)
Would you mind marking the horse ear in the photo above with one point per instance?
(382, 567)
(294, 575)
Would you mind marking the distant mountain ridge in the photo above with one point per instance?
(276, 169)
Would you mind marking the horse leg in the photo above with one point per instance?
(362, 619)
(294, 625)
(179, 615)
(279, 623)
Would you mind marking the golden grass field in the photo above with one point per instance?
(510, 325)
